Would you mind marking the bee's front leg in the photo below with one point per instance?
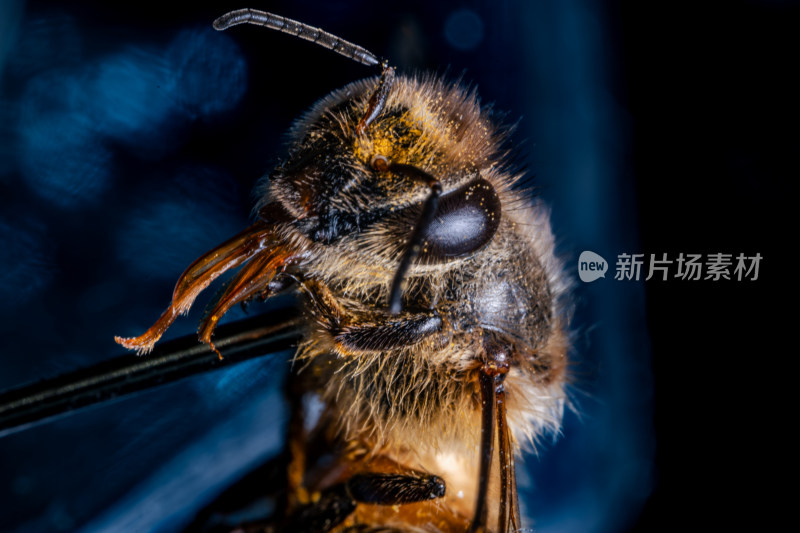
(392, 332)
(336, 503)
(381, 333)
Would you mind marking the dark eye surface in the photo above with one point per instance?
(465, 221)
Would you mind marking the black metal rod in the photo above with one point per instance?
(171, 361)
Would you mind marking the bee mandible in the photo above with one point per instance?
(436, 340)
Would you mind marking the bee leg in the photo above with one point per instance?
(389, 332)
(322, 299)
(395, 489)
(336, 503)
(497, 358)
(392, 333)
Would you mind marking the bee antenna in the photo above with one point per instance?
(301, 30)
(418, 235)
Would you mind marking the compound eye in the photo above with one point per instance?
(465, 221)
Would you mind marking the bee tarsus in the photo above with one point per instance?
(335, 504)
(390, 333)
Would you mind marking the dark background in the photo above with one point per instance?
(709, 88)
(131, 138)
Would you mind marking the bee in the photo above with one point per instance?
(436, 337)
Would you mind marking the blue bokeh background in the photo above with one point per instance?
(131, 138)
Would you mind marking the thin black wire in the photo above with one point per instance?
(174, 360)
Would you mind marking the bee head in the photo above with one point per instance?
(419, 178)
(416, 154)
